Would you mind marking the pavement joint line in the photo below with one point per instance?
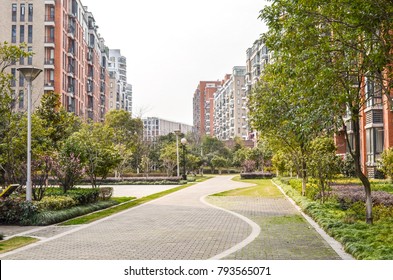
(336, 246)
(256, 230)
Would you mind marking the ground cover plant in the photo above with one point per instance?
(343, 217)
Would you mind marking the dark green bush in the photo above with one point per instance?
(16, 210)
(82, 196)
(256, 175)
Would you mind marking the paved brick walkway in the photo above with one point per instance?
(285, 235)
(178, 226)
(183, 226)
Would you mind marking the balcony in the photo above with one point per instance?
(49, 86)
(49, 63)
(49, 20)
(70, 71)
(71, 89)
(71, 52)
(49, 42)
(50, 2)
(71, 31)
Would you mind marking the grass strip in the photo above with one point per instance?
(262, 188)
(127, 205)
(15, 243)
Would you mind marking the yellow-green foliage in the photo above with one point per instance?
(53, 203)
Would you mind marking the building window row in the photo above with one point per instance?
(22, 13)
(22, 34)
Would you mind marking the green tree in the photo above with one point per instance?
(323, 162)
(98, 154)
(386, 163)
(219, 162)
(9, 165)
(168, 157)
(328, 49)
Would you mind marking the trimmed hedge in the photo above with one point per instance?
(256, 175)
(82, 196)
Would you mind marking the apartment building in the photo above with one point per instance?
(257, 57)
(120, 92)
(203, 106)
(154, 127)
(376, 129)
(230, 107)
(64, 38)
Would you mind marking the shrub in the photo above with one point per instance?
(16, 210)
(349, 194)
(1, 236)
(53, 203)
(106, 193)
(82, 196)
(256, 175)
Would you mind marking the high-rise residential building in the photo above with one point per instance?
(230, 107)
(121, 92)
(258, 56)
(154, 127)
(63, 36)
(203, 107)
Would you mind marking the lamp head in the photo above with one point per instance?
(30, 73)
(183, 141)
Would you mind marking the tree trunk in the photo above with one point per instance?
(304, 172)
(363, 178)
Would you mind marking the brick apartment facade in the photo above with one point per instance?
(74, 58)
(203, 106)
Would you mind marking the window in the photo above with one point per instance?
(22, 34)
(22, 60)
(13, 34)
(14, 11)
(30, 12)
(30, 34)
(21, 99)
(13, 73)
(30, 58)
(13, 99)
(22, 12)
(21, 80)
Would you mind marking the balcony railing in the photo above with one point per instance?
(49, 39)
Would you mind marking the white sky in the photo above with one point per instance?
(171, 45)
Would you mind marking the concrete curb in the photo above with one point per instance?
(336, 246)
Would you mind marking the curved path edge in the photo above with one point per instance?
(336, 246)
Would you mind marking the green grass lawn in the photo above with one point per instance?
(15, 243)
(262, 188)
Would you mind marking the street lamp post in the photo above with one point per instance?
(29, 73)
(177, 132)
(184, 142)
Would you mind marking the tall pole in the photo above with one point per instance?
(177, 155)
(29, 73)
(29, 189)
(184, 142)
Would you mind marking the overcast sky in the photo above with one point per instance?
(171, 45)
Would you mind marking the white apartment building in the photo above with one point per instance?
(258, 56)
(230, 107)
(120, 92)
(154, 127)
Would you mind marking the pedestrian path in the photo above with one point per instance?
(187, 225)
(177, 226)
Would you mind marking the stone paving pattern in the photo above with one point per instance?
(178, 226)
(285, 234)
